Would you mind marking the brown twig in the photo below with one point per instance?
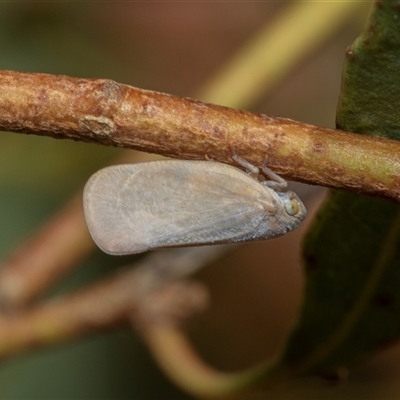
(100, 306)
(105, 112)
(46, 257)
(52, 252)
(103, 305)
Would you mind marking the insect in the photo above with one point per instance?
(132, 208)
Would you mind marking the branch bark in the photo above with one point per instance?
(106, 304)
(45, 257)
(105, 112)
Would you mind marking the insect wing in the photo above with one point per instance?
(135, 207)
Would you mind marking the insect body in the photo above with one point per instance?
(132, 208)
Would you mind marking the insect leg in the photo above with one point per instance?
(276, 183)
(250, 168)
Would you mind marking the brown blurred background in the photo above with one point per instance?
(172, 47)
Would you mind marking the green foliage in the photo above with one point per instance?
(351, 255)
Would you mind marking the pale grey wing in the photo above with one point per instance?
(106, 222)
(133, 208)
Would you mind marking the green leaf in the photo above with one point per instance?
(352, 253)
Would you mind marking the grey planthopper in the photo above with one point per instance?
(132, 208)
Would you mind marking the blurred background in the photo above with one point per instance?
(172, 47)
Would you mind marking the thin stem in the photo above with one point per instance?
(176, 356)
(287, 38)
(103, 305)
(105, 112)
(46, 257)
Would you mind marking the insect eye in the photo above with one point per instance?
(292, 205)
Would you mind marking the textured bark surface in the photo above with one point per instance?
(105, 112)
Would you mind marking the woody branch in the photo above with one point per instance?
(105, 112)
